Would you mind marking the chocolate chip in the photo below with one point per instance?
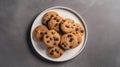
(47, 36)
(70, 46)
(57, 20)
(52, 50)
(56, 39)
(50, 38)
(71, 39)
(69, 35)
(62, 43)
(51, 53)
(62, 23)
(57, 51)
(51, 15)
(67, 26)
(76, 29)
(65, 46)
(82, 31)
(60, 54)
(53, 32)
(48, 41)
(41, 33)
(78, 42)
(73, 33)
(63, 20)
(45, 32)
(54, 44)
(56, 25)
(47, 21)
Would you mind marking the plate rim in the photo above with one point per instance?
(79, 17)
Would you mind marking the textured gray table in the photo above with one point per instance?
(102, 18)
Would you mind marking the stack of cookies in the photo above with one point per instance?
(58, 34)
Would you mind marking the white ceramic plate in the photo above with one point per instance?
(65, 13)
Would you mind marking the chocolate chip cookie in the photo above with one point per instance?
(54, 23)
(39, 32)
(68, 41)
(67, 25)
(55, 52)
(51, 38)
(78, 35)
(79, 28)
(48, 16)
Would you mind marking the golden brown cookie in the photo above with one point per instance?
(79, 28)
(68, 41)
(55, 52)
(67, 25)
(54, 23)
(39, 32)
(48, 16)
(51, 38)
(78, 35)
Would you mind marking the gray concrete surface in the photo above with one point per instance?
(102, 18)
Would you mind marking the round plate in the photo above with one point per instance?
(65, 12)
